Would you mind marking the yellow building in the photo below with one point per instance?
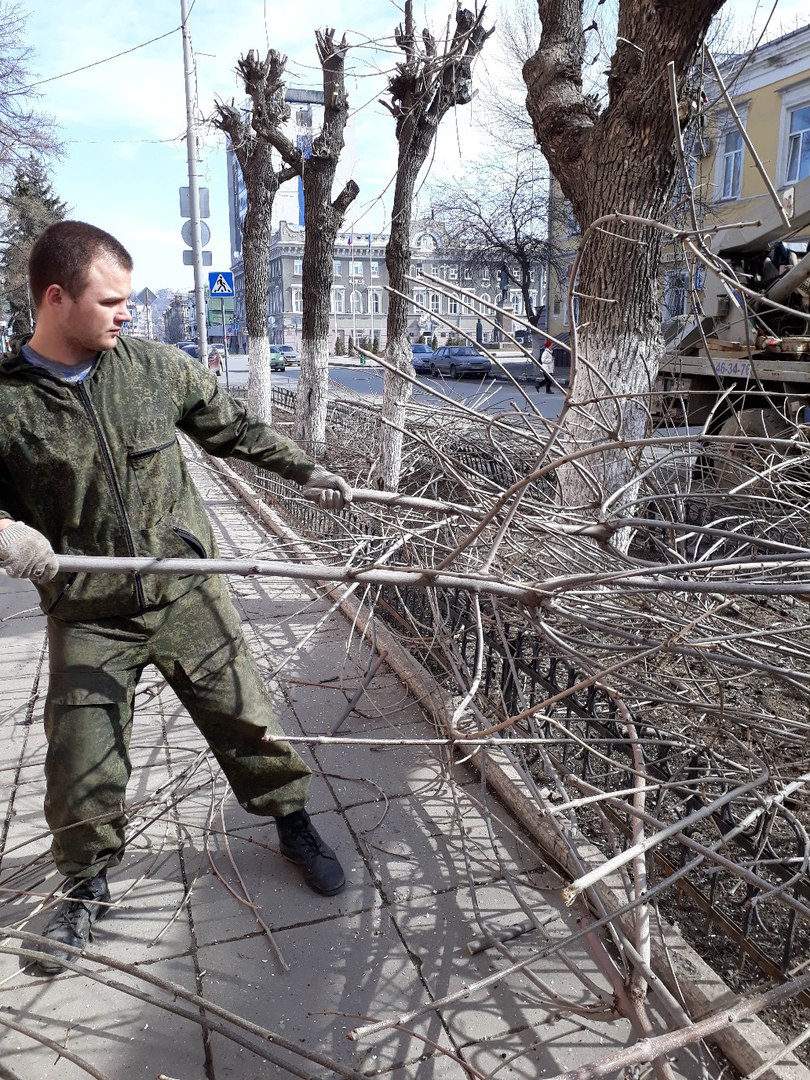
(770, 91)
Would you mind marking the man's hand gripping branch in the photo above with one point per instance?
(327, 489)
(26, 553)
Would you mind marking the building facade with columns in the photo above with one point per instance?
(452, 291)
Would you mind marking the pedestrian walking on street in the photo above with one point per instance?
(547, 368)
(90, 464)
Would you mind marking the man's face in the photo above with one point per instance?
(91, 323)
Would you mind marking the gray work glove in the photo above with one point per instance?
(327, 489)
(26, 553)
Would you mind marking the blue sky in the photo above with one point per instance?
(123, 121)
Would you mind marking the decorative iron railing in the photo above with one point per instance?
(520, 672)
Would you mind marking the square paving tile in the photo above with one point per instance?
(275, 884)
(427, 844)
(357, 969)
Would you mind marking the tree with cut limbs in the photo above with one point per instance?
(424, 87)
(323, 217)
(30, 207)
(620, 157)
(254, 152)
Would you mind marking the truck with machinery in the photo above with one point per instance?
(741, 367)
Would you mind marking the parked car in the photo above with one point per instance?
(458, 360)
(190, 347)
(278, 361)
(289, 353)
(421, 356)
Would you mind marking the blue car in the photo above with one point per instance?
(421, 355)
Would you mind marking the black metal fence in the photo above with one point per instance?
(519, 672)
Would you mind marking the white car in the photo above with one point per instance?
(289, 352)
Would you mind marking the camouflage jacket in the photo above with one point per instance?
(96, 467)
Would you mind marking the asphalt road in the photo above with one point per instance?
(487, 394)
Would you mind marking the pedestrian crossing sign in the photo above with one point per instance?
(220, 283)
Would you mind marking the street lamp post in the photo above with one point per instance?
(194, 189)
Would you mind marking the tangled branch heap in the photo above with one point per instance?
(664, 677)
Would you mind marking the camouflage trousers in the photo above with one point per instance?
(196, 643)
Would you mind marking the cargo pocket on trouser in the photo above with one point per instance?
(227, 699)
(88, 720)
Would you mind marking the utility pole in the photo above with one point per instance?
(194, 190)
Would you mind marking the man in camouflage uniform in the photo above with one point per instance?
(90, 465)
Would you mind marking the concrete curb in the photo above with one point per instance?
(748, 1045)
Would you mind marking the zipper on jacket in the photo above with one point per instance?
(136, 455)
(63, 593)
(119, 498)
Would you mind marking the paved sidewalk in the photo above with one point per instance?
(410, 831)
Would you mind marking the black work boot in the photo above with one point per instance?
(301, 844)
(85, 901)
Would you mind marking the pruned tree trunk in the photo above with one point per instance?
(620, 158)
(253, 150)
(423, 89)
(397, 391)
(256, 262)
(323, 218)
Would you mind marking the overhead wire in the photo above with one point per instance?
(98, 63)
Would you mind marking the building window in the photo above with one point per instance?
(531, 275)
(375, 301)
(731, 164)
(298, 267)
(416, 269)
(675, 288)
(338, 301)
(336, 267)
(485, 273)
(357, 269)
(452, 273)
(483, 304)
(375, 269)
(356, 302)
(435, 303)
(467, 273)
(516, 301)
(798, 166)
(452, 305)
(556, 307)
(297, 301)
(419, 297)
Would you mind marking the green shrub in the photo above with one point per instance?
(340, 348)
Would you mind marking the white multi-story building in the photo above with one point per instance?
(448, 308)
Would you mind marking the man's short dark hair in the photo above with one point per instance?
(63, 253)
